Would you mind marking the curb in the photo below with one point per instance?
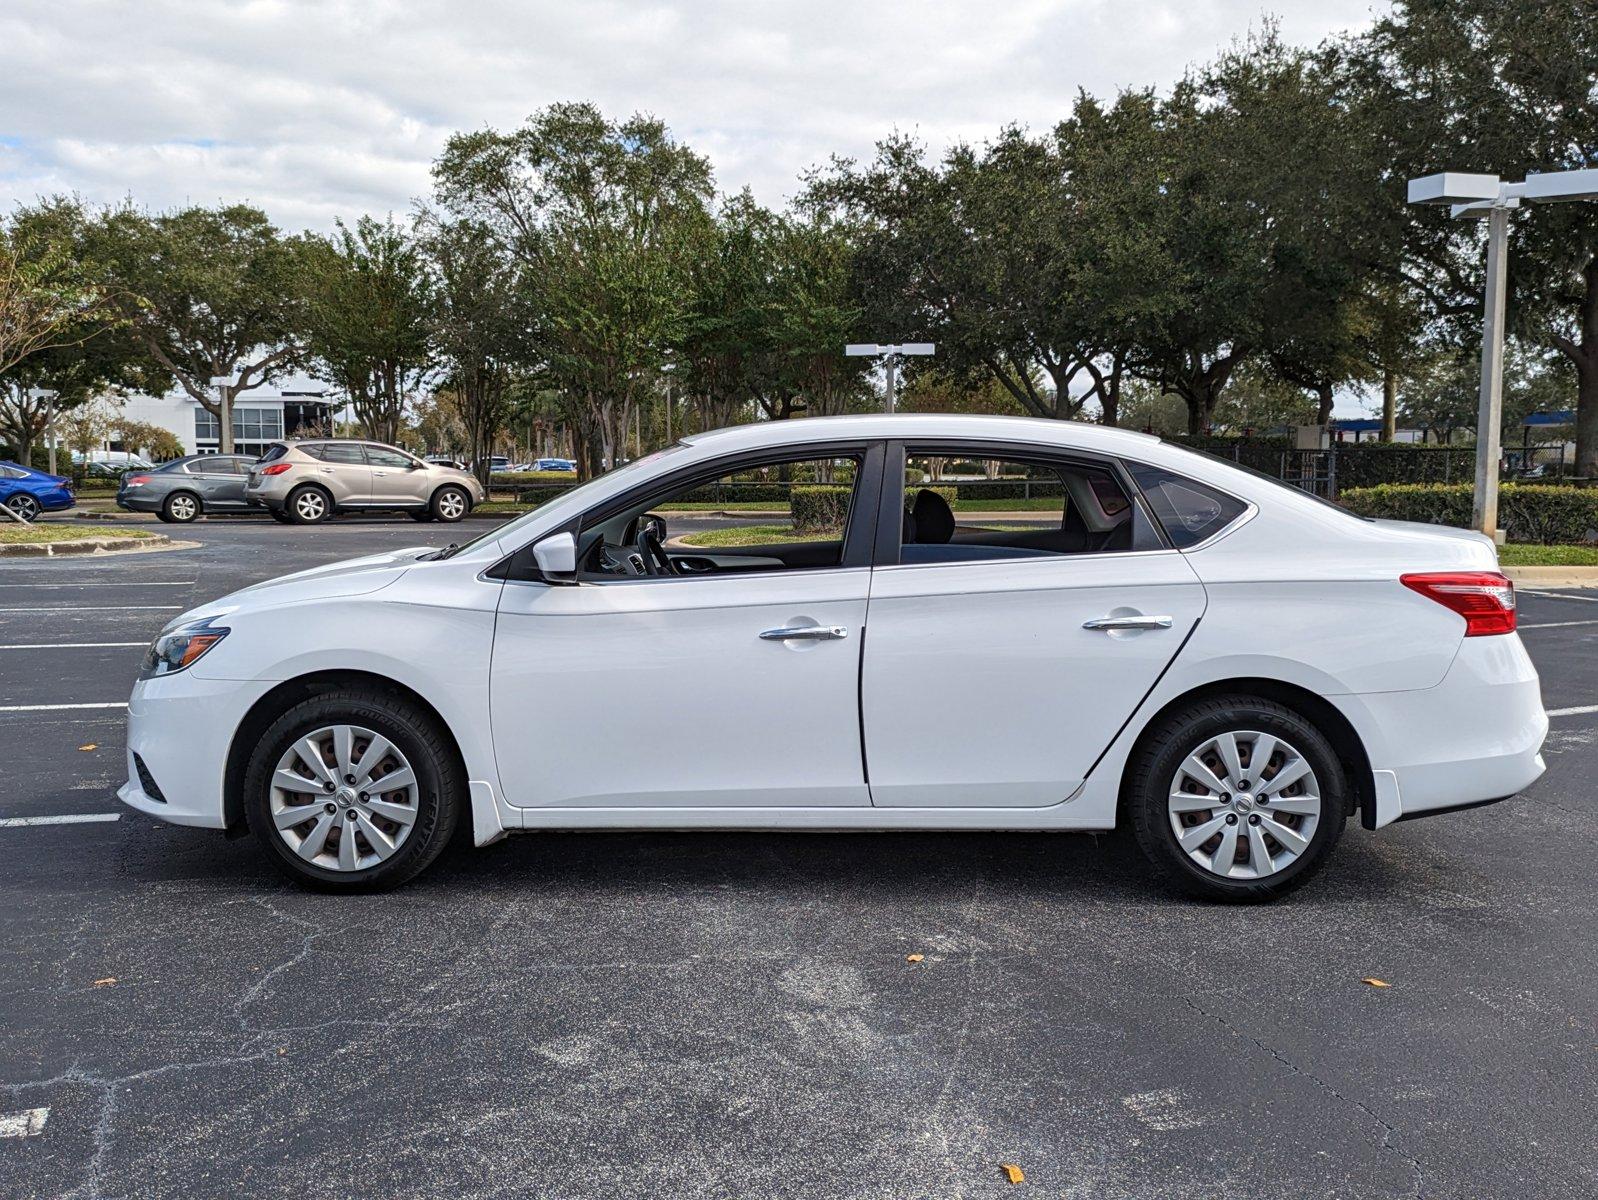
(82, 546)
(1577, 577)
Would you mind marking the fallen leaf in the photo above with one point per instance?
(282, 1050)
(108, 981)
(90, 746)
(1376, 982)
(914, 957)
(1013, 1173)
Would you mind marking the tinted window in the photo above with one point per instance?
(210, 465)
(241, 466)
(11, 473)
(277, 451)
(339, 452)
(1190, 511)
(379, 457)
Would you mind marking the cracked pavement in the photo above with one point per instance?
(708, 1015)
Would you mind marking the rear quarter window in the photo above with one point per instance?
(1189, 511)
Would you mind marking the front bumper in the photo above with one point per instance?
(1474, 738)
(182, 726)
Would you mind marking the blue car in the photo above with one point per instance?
(555, 464)
(28, 493)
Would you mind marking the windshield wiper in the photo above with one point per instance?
(448, 551)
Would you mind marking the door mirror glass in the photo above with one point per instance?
(556, 557)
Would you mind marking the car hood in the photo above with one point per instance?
(353, 577)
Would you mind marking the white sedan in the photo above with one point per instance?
(1111, 631)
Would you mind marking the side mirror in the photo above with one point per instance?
(556, 557)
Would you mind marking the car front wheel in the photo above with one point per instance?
(25, 506)
(1237, 798)
(354, 791)
(450, 504)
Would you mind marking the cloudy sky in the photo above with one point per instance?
(321, 109)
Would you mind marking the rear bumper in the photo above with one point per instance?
(135, 502)
(56, 501)
(1474, 738)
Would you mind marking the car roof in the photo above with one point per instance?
(1081, 434)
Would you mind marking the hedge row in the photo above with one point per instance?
(824, 507)
(1526, 512)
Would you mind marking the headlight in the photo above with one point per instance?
(180, 648)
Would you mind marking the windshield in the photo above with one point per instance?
(498, 531)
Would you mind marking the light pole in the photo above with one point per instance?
(1475, 197)
(890, 360)
(49, 398)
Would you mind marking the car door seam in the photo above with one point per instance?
(1144, 699)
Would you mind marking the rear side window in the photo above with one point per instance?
(340, 452)
(1190, 511)
(276, 450)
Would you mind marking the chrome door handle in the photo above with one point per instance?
(1138, 622)
(805, 633)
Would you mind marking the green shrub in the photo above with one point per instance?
(950, 493)
(1526, 512)
(819, 506)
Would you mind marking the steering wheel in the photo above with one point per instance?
(650, 545)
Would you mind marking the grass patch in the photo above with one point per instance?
(1520, 554)
(509, 507)
(12, 534)
(757, 535)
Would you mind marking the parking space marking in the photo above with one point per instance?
(29, 611)
(27, 1123)
(1558, 595)
(1556, 624)
(67, 819)
(1579, 711)
(59, 707)
(79, 645)
(120, 583)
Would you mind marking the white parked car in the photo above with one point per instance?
(1227, 665)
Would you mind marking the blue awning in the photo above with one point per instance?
(1568, 417)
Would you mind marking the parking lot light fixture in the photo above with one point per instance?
(890, 356)
(1475, 196)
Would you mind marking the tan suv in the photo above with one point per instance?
(305, 482)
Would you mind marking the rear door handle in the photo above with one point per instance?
(805, 633)
(1137, 622)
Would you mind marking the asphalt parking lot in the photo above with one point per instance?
(663, 1015)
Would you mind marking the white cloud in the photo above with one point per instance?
(320, 109)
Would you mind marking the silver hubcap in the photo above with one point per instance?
(25, 507)
(1244, 805)
(309, 505)
(182, 508)
(344, 798)
(451, 505)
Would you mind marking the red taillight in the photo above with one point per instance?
(276, 468)
(1485, 599)
(136, 480)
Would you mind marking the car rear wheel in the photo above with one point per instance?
(309, 506)
(450, 503)
(354, 791)
(25, 506)
(1237, 798)
(180, 508)
(282, 518)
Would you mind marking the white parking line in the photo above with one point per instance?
(1581, 711)
(67, 819)
(1557, 595)
(30, 610)
(59, 707)
(80, 645)
(119, 583)
(1555, 624)
(27, 1123)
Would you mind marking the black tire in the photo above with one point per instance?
(1153, 774)
(450, 504)
(180, 508)
(441, 785)
(281, 517)
(303, 508)
(25, 506)
(421, 514)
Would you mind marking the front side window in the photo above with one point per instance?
(1190, 511)
(783, 515)
(963, 504)
(379, 456)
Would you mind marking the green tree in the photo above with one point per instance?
(1481, 85)
(208, 294)
(367, 319)
(604, 217)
